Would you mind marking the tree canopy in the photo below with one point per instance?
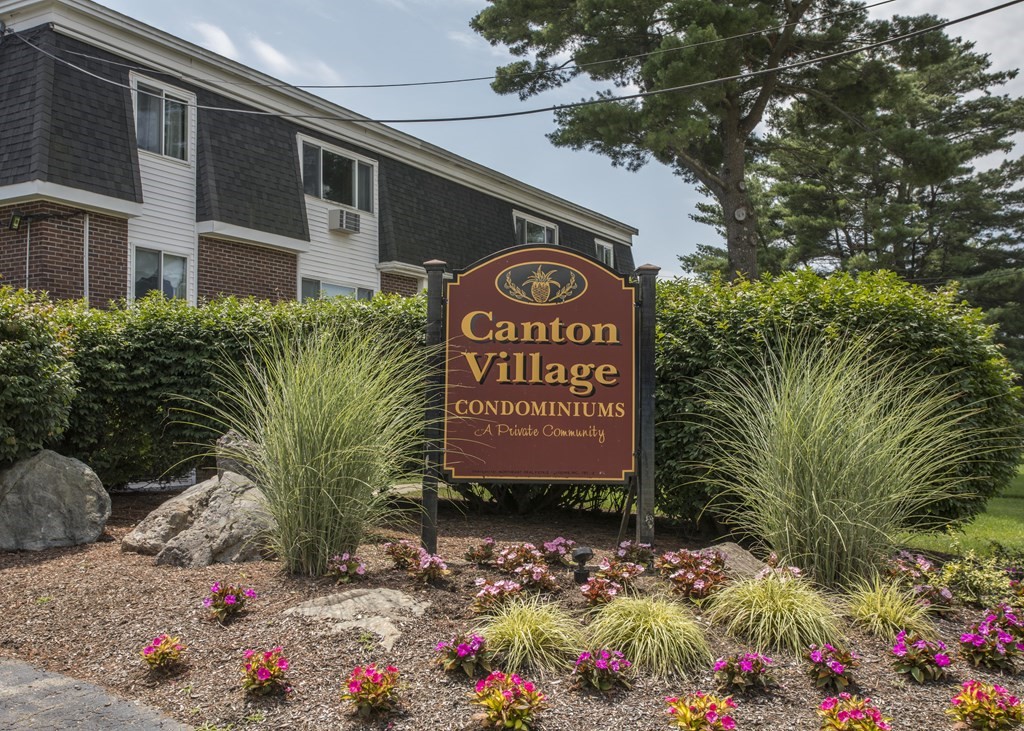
(705, 134)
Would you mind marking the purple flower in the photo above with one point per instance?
(230, 599)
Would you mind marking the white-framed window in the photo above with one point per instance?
(161, 120)
(531, 230)
(337, 176)
(605, 253)
(155, 269)
(314, 289)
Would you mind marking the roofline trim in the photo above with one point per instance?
(243, 235)
(84, 199)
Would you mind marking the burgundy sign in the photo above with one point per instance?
(540, 366)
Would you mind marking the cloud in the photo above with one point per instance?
(473, 42)
(294, 70)
(216, 39)
(277, 62)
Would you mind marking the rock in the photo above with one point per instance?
(226, 445)
(222, 520)
(739, 562)
(374, 610)
(48, 500)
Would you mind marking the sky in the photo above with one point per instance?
(391, 41)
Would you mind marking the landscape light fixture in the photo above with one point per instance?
(16, 218)
(581, 555)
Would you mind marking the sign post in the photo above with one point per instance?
(435, 408)
(648, 275)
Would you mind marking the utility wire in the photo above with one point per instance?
(576, 67)
(571, 105)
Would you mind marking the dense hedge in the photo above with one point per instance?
(135, 364)
(706, 326)
(141, 365)
(36, 377)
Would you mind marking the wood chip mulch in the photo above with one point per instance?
(88, 612)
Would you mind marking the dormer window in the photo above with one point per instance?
(161, 122)
(530, 230)
(337, 178)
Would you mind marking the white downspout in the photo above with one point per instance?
(85, 258)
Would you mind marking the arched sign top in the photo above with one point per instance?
(549, 283)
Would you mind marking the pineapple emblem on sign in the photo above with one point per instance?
(547, 284)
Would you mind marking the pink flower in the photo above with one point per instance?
(263, 674)
(727, 723)
(229, 599)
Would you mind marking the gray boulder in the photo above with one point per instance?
(381, 611)
(739, 562)
(222, 520)
(48, 500)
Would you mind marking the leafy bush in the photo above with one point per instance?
(847, 712)
(994, 642)
(830, 667)
(603, 670)
(657, 634)
(137, 362)
(329, 419)
(741, 673)
(708, 327)
(775, 613)
(974, 580)
(528, 632)
(920, 659)
(508, 701)
(464, 652)
(824, 450)
(492, 594)
(370, 690)
(701, 712)
(885, 609)
(36, 375)
(982, 706)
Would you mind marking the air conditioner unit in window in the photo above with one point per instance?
(338, 219)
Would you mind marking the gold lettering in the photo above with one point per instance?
(467, 326)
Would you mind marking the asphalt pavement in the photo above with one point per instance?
(31, 698)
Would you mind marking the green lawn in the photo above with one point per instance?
(1002, 523)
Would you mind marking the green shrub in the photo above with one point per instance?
(529, 632)
(36, 377)
(975, 581)
(775, 613)
(656, 634)
(824, 450)
(329, 420)
(885, 609)
(703, 328)
(138, 362)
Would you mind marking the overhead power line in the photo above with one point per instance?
(571, 105)
(441, 82)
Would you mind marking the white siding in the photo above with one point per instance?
(341, 258)
(168, 221)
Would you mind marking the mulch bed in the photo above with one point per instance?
(88, 611)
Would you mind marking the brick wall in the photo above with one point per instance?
(398, 284)
(244, 270)
(56, 252)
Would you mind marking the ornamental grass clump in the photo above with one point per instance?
(830, 667)
(508, 701)
(658, 635)
(329, 419)
(603, 670)
(465, 652)
(920, 659)
(164, 653)
(264, 672)
(743, 673)
(371, 690)
(885, 609)
(825, 448)
(775, 613)
(227, 600)
(527, 632)
(701, 712)
(847, 712)
(985, 707)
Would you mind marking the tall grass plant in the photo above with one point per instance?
(825, 448)
(329, 419)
